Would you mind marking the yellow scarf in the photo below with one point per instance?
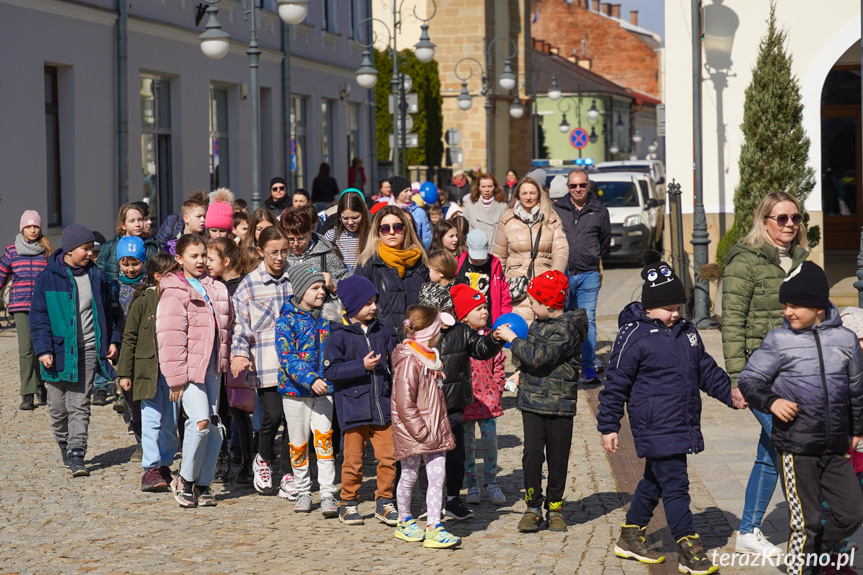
(422, 350)
(399, 259)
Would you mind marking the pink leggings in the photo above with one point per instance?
(436, 475)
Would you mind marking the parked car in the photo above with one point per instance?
(655, 168)
(636, 214)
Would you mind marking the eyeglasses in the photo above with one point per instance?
(576, 186)
(297, 241)
(782, 219)
(277, 188)
(352, 220)
(384, 229)
(277, 255)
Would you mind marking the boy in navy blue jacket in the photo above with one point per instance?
(356, 360)
(73, 337)
(658, 368)
(809, 375)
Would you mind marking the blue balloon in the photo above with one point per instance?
(516, 324)
(429, 192)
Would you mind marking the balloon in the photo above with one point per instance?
(418, 200)
(429, 192)
(516, 324)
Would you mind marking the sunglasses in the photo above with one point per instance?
(384, 229)
(782, 219)
(576, 186)
(277, 188)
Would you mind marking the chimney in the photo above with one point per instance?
(606, 8)
(596, 5)
(615, 10)
(633, 17)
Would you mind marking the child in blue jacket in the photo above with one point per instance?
(307, 398)
(356, 360)
(73, 337)
(657, 369)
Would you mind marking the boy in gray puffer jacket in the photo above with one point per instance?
(809, 375)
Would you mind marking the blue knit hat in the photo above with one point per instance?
(75, 236)
(133, 247)
(355, 291)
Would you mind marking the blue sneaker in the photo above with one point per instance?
(409, 531)
(588, 376)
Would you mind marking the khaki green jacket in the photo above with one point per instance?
(750, 300)
(138, 358)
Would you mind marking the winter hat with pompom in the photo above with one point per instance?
(220, 212)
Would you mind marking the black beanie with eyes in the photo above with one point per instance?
(661, 286)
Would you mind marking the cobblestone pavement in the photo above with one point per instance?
(52, 523)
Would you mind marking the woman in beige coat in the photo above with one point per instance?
(530, 214)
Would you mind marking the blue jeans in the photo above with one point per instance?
(201, 446)
(762, 479)
(583, 293)
(159, 438)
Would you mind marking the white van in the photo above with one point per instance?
(635, 212)
(655, 168)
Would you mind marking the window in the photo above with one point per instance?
(355, 16)
(298, 141)
(156, 147)
(353, 131)
(328, 17)
(327, 143)
(219, 150)
(52, 147)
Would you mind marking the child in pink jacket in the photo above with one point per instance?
(487, 377)
(193, 329)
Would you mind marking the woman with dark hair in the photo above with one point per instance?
(395, 262)
(357, 175)
(279, 199)
(486, 206)
(510, 184)
(352, 227)
(324, 186)
(306, 246)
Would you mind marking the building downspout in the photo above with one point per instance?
(286, 106)
(122, 104)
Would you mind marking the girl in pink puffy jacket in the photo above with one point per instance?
(193, 329)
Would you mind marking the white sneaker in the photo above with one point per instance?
(756, 544)
(287, 490)
(495, 494)
(474, 497)
(263, 475)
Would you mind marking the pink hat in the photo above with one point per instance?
(30, 218)
(220, 215)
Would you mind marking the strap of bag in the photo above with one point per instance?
(533, 252)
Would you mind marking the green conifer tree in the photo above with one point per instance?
(775, 148)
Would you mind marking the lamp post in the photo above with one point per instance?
(367, 75)
(215, 44)
(506, 81)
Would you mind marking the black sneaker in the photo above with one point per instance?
(245, 476)
(456, 509)
(27, 403)
(205, 496)
(43, 394)
(76, 463)
(100, 397)
(223, 468)
(64, 453)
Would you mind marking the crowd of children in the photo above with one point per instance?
(223, 331)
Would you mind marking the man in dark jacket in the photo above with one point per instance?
(657, 370)
(588, 232)
(809, 375)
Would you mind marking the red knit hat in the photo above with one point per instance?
(549, 288)
(220, 212)
(466, 299)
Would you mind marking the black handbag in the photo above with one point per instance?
(518, 286)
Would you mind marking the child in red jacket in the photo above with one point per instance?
(488, 380)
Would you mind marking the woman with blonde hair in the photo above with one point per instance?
(530, 240)
(486, 206)
(394, 261)
(754, 270)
